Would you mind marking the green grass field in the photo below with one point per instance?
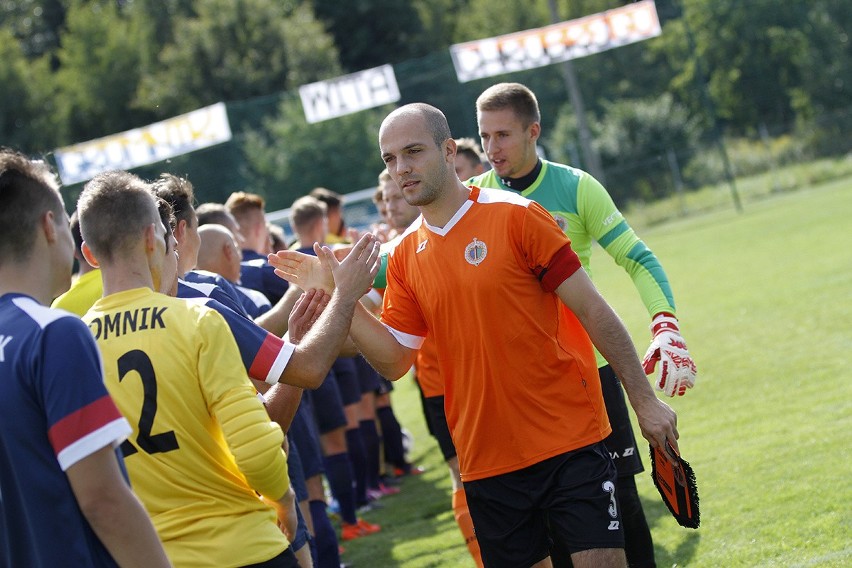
(765, 302)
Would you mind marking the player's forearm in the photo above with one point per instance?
(114, 512)
(282, 402)
(379, 347)
(611, 338)
(607, 333)
(317, 351)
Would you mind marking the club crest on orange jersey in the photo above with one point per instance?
(475, 252)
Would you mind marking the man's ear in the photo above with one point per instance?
(180, 230)
(48, 225)
(227, 250)
(89, 255)
(535, 131)
(450, 150)
(150, 237)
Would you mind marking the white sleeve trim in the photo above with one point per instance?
(280, 363)
(374, 296)
(112, 433)
(406, 339)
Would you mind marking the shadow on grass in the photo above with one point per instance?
(655, 512)
(415, 514)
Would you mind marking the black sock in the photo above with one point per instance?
(392, 436)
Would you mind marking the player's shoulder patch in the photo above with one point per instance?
(489, 196)
(203, 288)
(41, 315)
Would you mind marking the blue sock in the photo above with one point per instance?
(372, 442)
(338, 472)
(328, 554)
(358, 457)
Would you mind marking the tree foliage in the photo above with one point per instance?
(238, 50)
(289, 157)
(633, 138)
(73, 70)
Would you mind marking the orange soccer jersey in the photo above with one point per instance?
(519, 372)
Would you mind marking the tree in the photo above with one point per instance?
(370, 33)
(289, 157)
(25, 109)
(754, 56)
(35, 24)
(633, 138)
(234, 50)
(104, 53)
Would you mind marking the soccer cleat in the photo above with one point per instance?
(359, 529)
(370, 528)
(411, 470)
(388, 490)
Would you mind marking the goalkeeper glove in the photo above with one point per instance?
(677, 371)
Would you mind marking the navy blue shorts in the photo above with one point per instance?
(436, 418)
(303, 432)
(284, 560)
(569, 498)
(385, 386)
(621, 443)
(346, 373)
(296, 471)
(368, 377)
(328, 405)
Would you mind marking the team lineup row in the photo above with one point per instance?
(483, 286)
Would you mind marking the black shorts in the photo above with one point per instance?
(569, 497)
(346, 374)
(328, 405)
(436, 418)
(368, 378)
(621, 443)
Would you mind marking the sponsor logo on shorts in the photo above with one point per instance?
(612, 509)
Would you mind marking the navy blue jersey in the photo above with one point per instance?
(200, 283)
(256, 273)
(264, 354)
(254, 302)
(54, 412)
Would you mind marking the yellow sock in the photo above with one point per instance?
(466, 525)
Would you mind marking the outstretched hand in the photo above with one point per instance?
(305, 312)
(354, 274)
(303, 270)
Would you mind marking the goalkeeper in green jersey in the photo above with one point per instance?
(509, 126)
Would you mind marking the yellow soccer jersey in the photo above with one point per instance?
(202, 443)
(85, 291)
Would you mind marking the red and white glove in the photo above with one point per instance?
(677, 369)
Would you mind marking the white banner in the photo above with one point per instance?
(348, 94)
(198, 129)
(560, 42)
